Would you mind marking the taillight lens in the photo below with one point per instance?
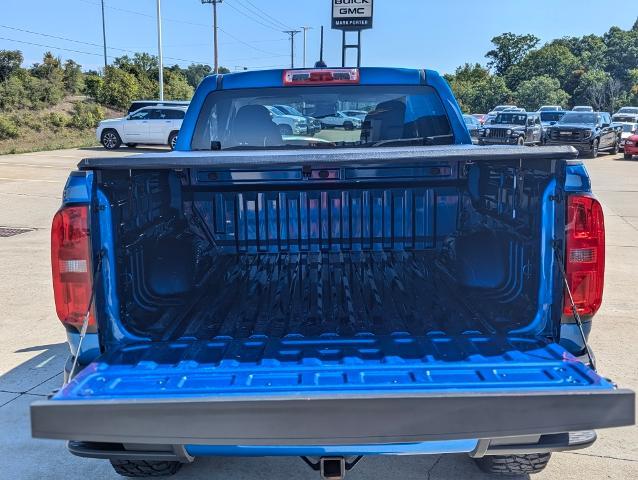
(71, 265)
(585, 254)
(324, 76)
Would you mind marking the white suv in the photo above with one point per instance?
(150, 125)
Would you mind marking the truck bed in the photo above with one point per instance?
(341, 293)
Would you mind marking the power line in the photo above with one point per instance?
(251, 16)
(142, 14)
(275, 20)
(80, 42)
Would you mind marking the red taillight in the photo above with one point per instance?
(324, 76)
(585, 254)
(71, 265)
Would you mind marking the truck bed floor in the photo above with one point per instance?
(312, 294)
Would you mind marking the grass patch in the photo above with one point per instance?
(69, 124)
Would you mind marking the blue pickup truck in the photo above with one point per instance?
(390, 289)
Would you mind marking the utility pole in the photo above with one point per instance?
(305, 31)
(216, 60)
(292, 34)
(159, 49)
(106, 62)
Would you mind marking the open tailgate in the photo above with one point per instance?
(344, 391)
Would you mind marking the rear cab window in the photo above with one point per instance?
(395, 115)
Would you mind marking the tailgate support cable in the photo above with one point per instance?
(579, 322)
(85, 322)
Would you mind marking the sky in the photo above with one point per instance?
(434, 34)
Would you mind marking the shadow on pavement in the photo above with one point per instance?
(148, 149)
(40, 374)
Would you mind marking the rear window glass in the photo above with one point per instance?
(388, 116)
(173, 114)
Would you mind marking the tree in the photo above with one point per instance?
(509, 50)
(553, 60)
(478, 96)
(592, 89)
(176, 87)
(622, 53)
(93, 84)
(196, 72)
(541, 90)
(10, 61)
(73, 77)
(119, 89)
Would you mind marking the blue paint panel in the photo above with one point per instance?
(422, 448)
(331, 365)
(369, 76)
(577, 178)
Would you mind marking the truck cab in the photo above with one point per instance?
(388, 289)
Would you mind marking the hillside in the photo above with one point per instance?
(67, 124)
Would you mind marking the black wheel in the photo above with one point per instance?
(131, 145)
(285, 129)
(513, 465)
(110, 139)
(627, 156)
(348, 126)
(594, 149)
(520, 141)
(145, 469)
(616, 149)
(172, 140)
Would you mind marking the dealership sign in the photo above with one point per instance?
(351, 14)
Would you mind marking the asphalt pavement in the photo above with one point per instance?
(33, 349)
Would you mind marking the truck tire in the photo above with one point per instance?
(513, 465)
(348, 126)
(110, 139)
(520, 141)
(145, 469)
(172, 140)
(627, 156)
(594, 150)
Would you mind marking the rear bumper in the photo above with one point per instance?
(338, 420)
(475, 448)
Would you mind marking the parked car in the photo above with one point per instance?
(137, 104)
(331, 301)
(289, 124)
(340, 119)
(360, 114)
(146, 126)
(625, 115)
(631, 147)
(314, 125)
(549, 118)
(582, 108)
(627, 130)
(550, 108)
(473, 126)
(513, 128)
(588, 132)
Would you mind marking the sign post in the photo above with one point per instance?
(351, 16)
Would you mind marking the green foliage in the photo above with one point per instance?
(552, 60)
(93, 85)
(73, 77)
(86, 115)
(195, 73)
(541, 90)
(8, 128)
(10, 61)
(119, 88)
(57, 120)
(476, 90)
(176, 87)
(509, 49)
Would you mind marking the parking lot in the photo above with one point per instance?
(33, 350)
